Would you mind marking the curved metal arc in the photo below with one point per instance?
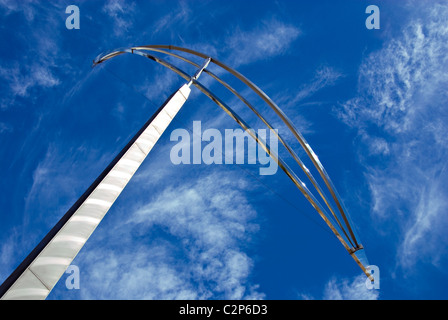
(136, 50)
(108, 56)
(288, 148)
(300, 185)
(282, 116)
(308, 195)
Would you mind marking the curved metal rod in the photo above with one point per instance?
(277, 110)
(288, 148)
(134, 50)
(282, 116)
(300, 185)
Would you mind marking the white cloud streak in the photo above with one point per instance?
(36, 69)
(20, 83)
(5, 128)
(344, 289)
(120, 12)
(208, 223)
(270, 39)
(180, 15)
(324, 76)
(25, 6)
(338, 288)
(8, 252)
(400, 114)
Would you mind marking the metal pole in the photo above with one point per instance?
(36, 276)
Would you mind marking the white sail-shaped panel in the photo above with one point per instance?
(42, 274)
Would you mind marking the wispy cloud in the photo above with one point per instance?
(344, 289)
(214, 224)
(36, 70)
(338, 288)
(20, 83)
(269, 39)
(324, 76)
(426, 231)
(400, 115)
(160, 84)
(208, 225)
(52, 192)
(26, 7)
(237, 46)
(179, 15)
(120, 12)
(148, 273)
(4, 127)
(8, 252)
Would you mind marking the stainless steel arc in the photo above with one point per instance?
(350, 236)
(282, 141)
(283, 117)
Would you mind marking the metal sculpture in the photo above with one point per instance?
(39, 272)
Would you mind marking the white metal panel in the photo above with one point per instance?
(27, 287)
(45, 271)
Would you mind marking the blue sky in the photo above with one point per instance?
(371, 103)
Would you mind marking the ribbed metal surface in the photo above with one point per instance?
(42, 274)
